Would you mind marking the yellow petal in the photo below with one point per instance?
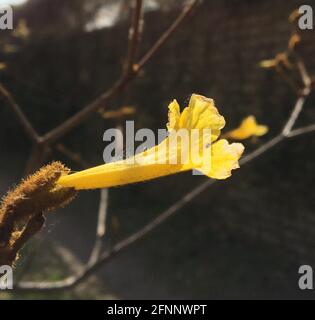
(261, 130)
(224, 158)
(201, 113)
(173, 115)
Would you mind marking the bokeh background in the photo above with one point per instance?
(242, 238)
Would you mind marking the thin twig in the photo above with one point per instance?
(134, 35)
(102, 215)
(301, 99)
(303, 130)
(30, 131)
(101, 227)
(294, 115)
(307, 81)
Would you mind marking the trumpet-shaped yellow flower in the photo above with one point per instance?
(247, 129)
(201, 115)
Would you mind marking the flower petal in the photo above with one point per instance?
(224, 158)
(173, 115)
(261, 130)
(201, 113)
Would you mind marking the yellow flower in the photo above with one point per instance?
(247, 128)
(214, 158)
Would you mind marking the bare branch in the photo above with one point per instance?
(30, 131)
(303, 130)
(135, 31)
(307, 81)
(101, 227)
(294, 115)
(301, 100)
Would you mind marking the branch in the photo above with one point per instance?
(101, 227)
(134, 35)
(306, 79)
(301, 100)
(303, 130)
(30, 131)
(294, 115)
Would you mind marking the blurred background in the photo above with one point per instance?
(241, 238)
